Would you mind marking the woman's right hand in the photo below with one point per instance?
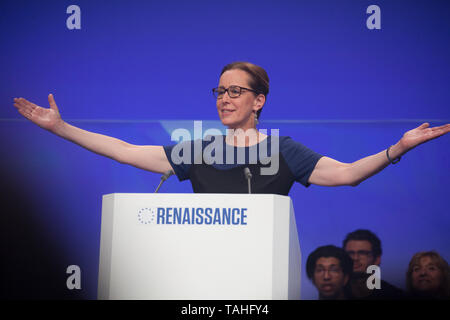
(47, 118)
(150, 158)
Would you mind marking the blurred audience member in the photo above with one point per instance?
(364, 247)
(428, 276)
(329, 268)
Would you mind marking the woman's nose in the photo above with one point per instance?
(226, 96)
(423, 272)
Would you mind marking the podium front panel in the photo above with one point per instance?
(195, 246)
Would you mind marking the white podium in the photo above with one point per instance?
(198, 246)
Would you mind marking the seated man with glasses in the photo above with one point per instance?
(329, 268)
(364, 247)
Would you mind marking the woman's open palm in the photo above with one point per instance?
(47, 118)
(421, 134)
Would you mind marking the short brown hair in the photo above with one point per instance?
(444, 290)
(259, 80)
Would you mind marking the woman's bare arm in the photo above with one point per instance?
(329, 172)
(151, 158)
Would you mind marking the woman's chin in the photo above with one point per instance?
(227, 122)
(231, 122)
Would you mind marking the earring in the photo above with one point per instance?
(256, 119)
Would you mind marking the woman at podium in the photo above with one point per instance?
(240, 97)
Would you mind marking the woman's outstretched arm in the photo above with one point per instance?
(329, 172)
(151, 158)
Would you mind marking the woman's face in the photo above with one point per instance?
(426, 276)
(238, 112)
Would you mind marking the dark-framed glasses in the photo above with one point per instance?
(359, 253)
(233, 91)
(332, 269)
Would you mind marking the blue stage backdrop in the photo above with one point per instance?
(135, 70)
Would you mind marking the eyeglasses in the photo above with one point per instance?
(334, 270)
(420, 269)
(233, 91)
(360, 253)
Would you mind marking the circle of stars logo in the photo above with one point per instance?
(147, 215)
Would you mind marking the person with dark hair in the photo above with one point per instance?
(364, 248)
(240, 96)
(428, 277)
(329, 268)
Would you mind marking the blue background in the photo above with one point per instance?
(138, 69)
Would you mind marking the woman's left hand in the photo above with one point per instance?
(421, 134)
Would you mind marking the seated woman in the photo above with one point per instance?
(428, 276)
